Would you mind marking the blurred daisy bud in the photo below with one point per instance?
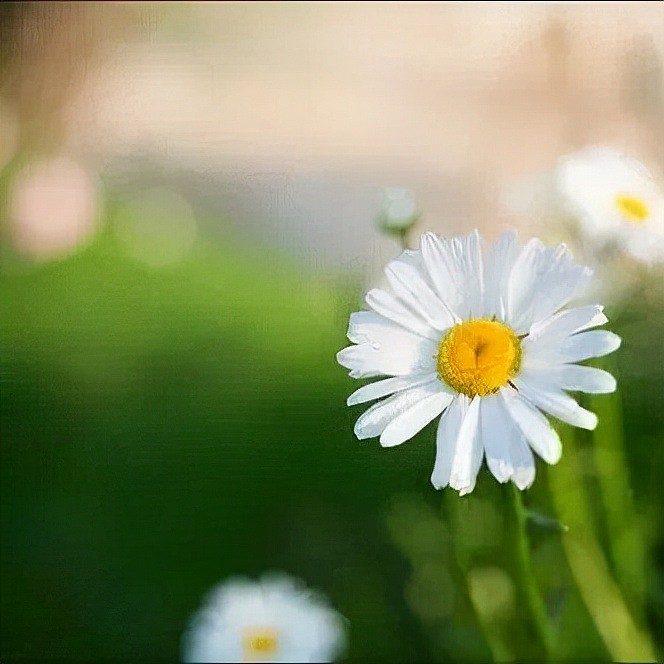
(399, 212)
(273, 620)
(616, 201)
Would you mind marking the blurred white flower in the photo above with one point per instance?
(615, 200)
(52, 208)
(487, 343)
(273, 620)
(399, 211)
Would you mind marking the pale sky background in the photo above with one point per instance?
(289, 118)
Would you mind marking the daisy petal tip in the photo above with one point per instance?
(360, 432)
(463, 485)
(604, 382)
(589, 422)
(437, 484)
(500, 470)
(427, 240)
(599, 317)
(523, 478)
(612, 342)
(390, 440)
(371, 294)
(553, 456)
(342, 357)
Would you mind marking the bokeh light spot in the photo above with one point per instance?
(157, 227)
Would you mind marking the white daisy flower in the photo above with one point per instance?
(615, 199)
(273, 620)
(487, 343)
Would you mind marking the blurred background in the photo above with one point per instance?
(188, 197)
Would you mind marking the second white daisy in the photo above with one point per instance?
(487, 343)
(615, 199)
(276, 619)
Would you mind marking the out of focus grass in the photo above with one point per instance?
(163, 429)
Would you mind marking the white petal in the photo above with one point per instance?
(455, 269)
(567, 322)
(544, 344)
(507, 453)
(468, 453)
(388, 306)
(542, 281)
(498, 266)
(405, 426)
(556, 403)
(374, 421)
(582, 379)
(446, 436)
(361, 362)
(368, 327)
(585, 345)
(381, 388)
(385, 348)
(407, 282)
(535, 427)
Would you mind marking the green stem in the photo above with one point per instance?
(626, 539)
(527, 582)
(624, 639)
(404, 237)
(493, 634)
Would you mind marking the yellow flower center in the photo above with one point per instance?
(633, 209)
(479, 356)
(260, 643)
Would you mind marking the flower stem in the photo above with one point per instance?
(531, 594)
(404, 238)
(626, 539)
(624, 639)
(493, 634)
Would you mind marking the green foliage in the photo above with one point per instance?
(164, 429)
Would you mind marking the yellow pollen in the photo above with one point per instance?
(479, 357)
(260, 643)
(633, 209)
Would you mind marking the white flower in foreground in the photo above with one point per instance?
(614, 198)
(273, 620)
(485, 341)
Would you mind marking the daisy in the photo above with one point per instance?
(273, 620)
(487, 343)
(615, 199)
